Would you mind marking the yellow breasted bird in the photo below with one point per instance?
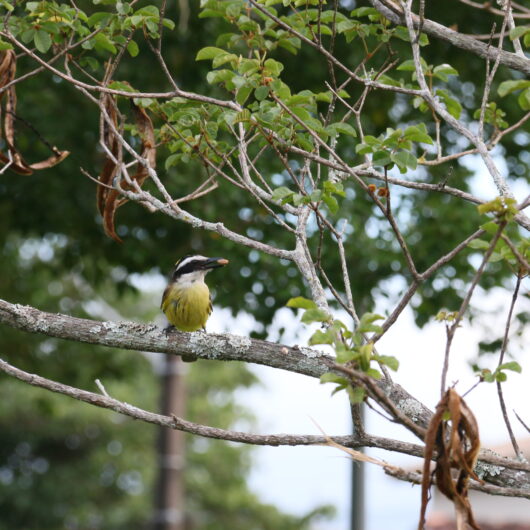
(186, 300)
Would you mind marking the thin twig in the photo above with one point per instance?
(504, 346)
(460, 315)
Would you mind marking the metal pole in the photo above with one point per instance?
(170, 492)
(357, 485)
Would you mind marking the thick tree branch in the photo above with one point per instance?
(394, 12)
(200, 345)
(173, 422)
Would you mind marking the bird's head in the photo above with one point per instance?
(194, 268)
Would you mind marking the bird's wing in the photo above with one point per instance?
(163, 303)
(210, 307)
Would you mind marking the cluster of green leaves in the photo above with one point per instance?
(446, 316)
(192, 132)
(493, 115)
(50, 23)
(317, 21)
(250, 33)
(256, 83)
(499, 374)
(327, 194)
(432, 73)
(507, 87)
(351, 348)
(241, 65)
(395, 147)
(504, 209)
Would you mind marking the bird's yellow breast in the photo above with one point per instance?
(187, 308)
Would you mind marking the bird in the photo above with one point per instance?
(186, 301)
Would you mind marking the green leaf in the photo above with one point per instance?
(500, 377)
(99, 18)
(490, 227)
(512, 365)
(389, 361)
(123, 8)
(302, 113)
(248, 66)
(407, 66)
(223, 58)
(219, 76)
(102, 42)
(524, 99)
(120, 85)
(331, 203)
(418, 133)
(5, 45)
(363, 149)
(243, 93)
(365, 355)
(334, 187)
(273, 67)
(343, 355)
(452, 105)
(507, 87)
(301, 303)
(442, 71)
(500, 206)
(261, 93)
(133, 48)
(316, 195)
(372, 372)
(487, 375)
(169, 24)
(404, 160)
(42, 41)
(210, 52)
(279, 194)
(381, 158)
(315, 315)
(242, 117)
(321, 337)
(518, 32)
(366, 323)
(171, 160)
(356, 394)
(330, 377)
(478, 244)
(343, 128)
(32, 6)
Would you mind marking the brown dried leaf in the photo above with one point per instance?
(15, 160)
(111, 205)
(110, 200)
(457, 444)
(8, 67)
(109, 168)
(147, 134)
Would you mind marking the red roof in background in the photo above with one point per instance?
(483, 526)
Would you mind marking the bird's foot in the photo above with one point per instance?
(169, 329)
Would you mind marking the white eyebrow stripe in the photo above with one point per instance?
(185, 261)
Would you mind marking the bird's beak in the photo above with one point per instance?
(213, 263)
